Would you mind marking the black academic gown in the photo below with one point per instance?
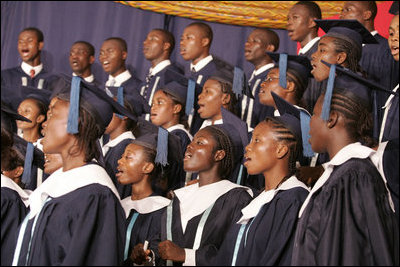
(83, 227)
(111, 163)
(183, 137)
(157, 81)
(13, 211)
(147, 227)
(225, 212)
(391, 130)
(206, 72)
(269, 240)
(348, 221)
(259, 111)
(11, 78)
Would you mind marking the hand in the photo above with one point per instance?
(170, 251)
(309, 175)
(138, 255)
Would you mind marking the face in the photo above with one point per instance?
(262, 143)
(326, 52)
(210, 100)
(199, 153)
(271, 83)
(352, 10)
(114, 124)
(318, 128)
(112, 58)
(52, 162)
(153, 45)
(299, 23)
(162, 109)
(130, 165)
(56, 138)
(256, 46)
(28, 46)
(80, 60)
(393, 39)
(29, 109)
(191, 46)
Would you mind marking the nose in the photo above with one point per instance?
(247, 148)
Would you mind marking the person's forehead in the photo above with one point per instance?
(193, 29)
(79, 46)
(156, 33)
(27, 34)
(299, 9)
(111, 44)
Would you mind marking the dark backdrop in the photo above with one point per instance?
(63, 23)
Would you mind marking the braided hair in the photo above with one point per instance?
(357, 115)
(283, 135)
(183, 119)
(223, 142)
(226, 88)
(353, 54)
(300, 84)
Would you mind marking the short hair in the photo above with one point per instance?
(370, 6)
(313, 8)
(39, 33)
(273, 37)
(168, 38)
(121, 42)
(205, 28)
(88, 45)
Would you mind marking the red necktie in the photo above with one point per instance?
(32, 73)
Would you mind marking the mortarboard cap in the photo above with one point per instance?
(12, 114)
(354, 84)
(394, 8)
(296, 120)
(299, 64)
(350, 30)
(29, 92)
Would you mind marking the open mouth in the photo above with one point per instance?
(394, 50)
(188, 155)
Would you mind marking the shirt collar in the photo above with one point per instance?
(180, 127)
(208, 122)
(145, 205)
(88, 79)
(27, 68)
(119, 79)
(252, 209)
(263, 68)
(202, 63)
(159, 67)
(9, 183)
(308, 45)
(375, 32)
(119, 138)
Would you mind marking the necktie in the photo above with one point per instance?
(32, 73)
(148, 79)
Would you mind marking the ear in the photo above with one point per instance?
(40, 118)
(148, 167)
(333, 119)
(219, 155)
(281, 151)
(41, 44)
(290, 87)
(270, 48)
(341, 57)
(124, 55)
(19, 171)
(166, 46)
(226, 99)
(367, 14)
(311, 23)
(205, 42)
(91, 59)
(177, 108)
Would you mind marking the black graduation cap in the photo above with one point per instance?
(33, 156)
(300, 64)
(348, 29)
(394, 8)
(183, 88)
(136, 100)
(352, 83)
(30, 92)
(11, 113)
(235, 77)
(93, 99)
(159, 139)
(296, 120)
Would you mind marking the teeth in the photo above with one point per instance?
(106, 62)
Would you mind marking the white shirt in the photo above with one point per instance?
(387, 106)
(27, 68)
(308, 45)
(89, 79)
(261, 70)
(119, 79)
(145, 205)
(201, 64)
(159, 67)
(117, 140)
(209, 122)
(181, 127)
(9, 183)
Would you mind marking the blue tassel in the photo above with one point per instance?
(326, 107)
(190, 97)
(26, 176)
(238, 81)
(305, 134)
(162, 147)
(120, 99)
(239, 177)
(282, 70)
(73, 115)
